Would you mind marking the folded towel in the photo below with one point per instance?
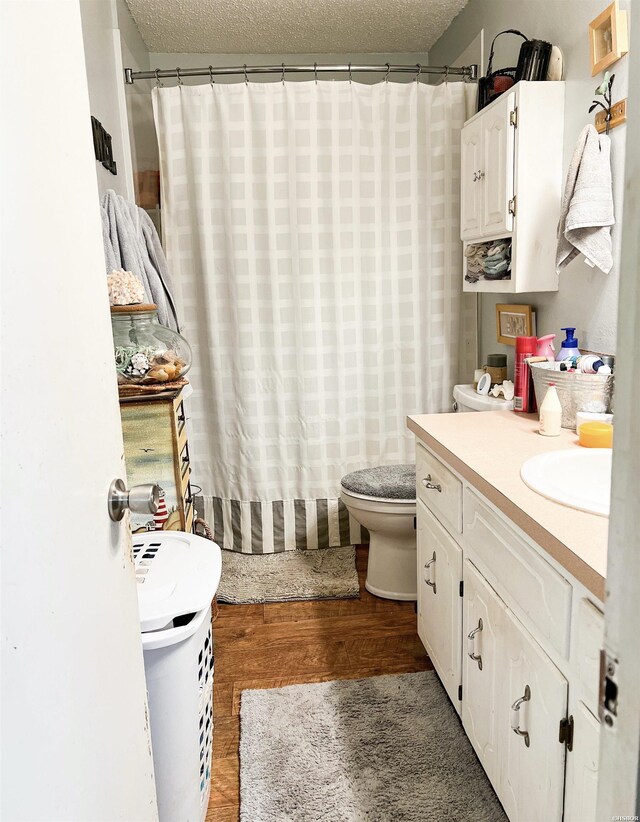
(586, 216)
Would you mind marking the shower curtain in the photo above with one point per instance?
(313, 233)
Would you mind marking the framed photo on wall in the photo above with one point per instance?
(514, 321)
(608, 38)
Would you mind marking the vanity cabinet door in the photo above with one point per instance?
(582, 768)
(439, 602)
(483, 621)
(498, 158)
(533, 699)
(470, 181)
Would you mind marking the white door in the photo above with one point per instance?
(439, 602)
(75, 736)
(532, 776)
(498, 153)
(471, 164)
(483, 619)
(581, 792)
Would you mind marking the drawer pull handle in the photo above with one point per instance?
(471, 645)
(431, 583)
(430, 486)
(515, 715)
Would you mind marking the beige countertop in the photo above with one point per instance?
(487, 449)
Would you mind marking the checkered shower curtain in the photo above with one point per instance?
(313, 233)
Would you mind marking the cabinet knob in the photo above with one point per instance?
(515, 715)
(471, 645)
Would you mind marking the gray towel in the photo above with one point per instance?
(587, 206)
(132, 243)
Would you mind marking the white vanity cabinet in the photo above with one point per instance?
(515, 641)
(511, 183)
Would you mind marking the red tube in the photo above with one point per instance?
(524, 398)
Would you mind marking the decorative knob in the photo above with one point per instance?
(141, 499)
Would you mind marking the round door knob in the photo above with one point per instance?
(141, 499)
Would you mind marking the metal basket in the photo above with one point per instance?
(576, 391)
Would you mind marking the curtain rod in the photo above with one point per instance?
(130, 76)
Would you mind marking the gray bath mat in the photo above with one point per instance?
(378, 749)
(327, 573)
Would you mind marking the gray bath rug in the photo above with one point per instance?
(382, 749)
(327, 573)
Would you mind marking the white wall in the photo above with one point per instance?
(103, 58)
(587, 298)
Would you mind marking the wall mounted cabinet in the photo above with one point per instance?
(515, 640)
(511, 184)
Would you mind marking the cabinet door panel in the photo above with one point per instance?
(439, 602)
(483, 613)
(470, 185)
(498, 166)
(532, 778)
(582, 768)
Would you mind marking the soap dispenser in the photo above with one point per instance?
(568, 347)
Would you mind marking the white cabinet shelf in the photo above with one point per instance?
(511, 183)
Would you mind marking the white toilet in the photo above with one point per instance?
(466, 398)
(383, 500)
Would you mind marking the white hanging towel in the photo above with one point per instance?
(587, 206)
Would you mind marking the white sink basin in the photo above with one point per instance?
(579, 478)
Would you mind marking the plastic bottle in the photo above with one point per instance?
(546, 347)
(524, 398)
(568, 347)
(587, 363)
(551, 413)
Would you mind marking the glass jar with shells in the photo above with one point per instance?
(147, 352)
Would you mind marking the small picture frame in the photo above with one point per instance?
(608, 38)
(514, 321)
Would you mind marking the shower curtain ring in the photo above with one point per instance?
(178, 76)
(350, 78)
(386, 77)
(246, 76)
(283, 74)
(446, 74)
(419, 67)
(211, 80)
(158, 83)
(315, 72)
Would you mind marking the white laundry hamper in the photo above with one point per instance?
(178, 575)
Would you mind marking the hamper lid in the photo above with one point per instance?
(177, 573)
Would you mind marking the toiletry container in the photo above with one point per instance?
(524, 399)
(546, 347)
(496, 367)
(569, 346)
(551, 413)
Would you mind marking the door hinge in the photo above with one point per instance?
(513, 117)
(460, 692)
(565, 737)
(512, 205)
(461, 589)
(608, 695)
(415, 523)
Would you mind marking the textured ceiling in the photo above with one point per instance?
(292, 26)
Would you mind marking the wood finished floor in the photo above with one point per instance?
(287, 643)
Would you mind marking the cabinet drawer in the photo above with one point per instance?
(528, 584)
(589, 638)
(445, 500)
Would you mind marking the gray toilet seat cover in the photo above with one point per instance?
(383, 481)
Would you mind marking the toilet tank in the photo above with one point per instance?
(466, 398)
